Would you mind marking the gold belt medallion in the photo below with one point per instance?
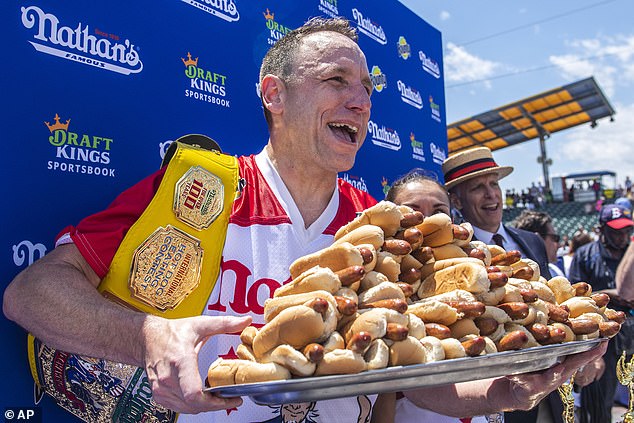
(199, 198)
(166, 268)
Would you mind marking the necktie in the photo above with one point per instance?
(498, 240)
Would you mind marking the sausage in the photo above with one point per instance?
(582, 289)
(396, 332)
(608, 329)
(410, 275)
(477, 253)
(407, 289)
(437, 330)
(398, 247)
(615, 316)
(366, 254)
(487, 325)
(583, 326)
(540, 332)
(412, 235)
(497, 279)
(359, 342)
(473, 347)
(525, 273)
(515, 310)
(470, 309)
(512, 341)
(412, 219)
(529, 295)
(557, 335)
(351, 274)
(314, 352)
(346, 306)
(460, 232)
(601, 299)
(423, 254)
(395, 304)
(493, 269)
(557, 313)
(320, 305)
(506, 259)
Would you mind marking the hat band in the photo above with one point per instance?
(470, 167)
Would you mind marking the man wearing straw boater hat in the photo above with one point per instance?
(472, 179)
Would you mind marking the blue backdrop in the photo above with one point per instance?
(94, 92)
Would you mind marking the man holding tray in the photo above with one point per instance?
(315, 90)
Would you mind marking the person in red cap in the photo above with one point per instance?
(596, 263)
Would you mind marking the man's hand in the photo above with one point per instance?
(590, 372)
(525, 391)
(171, 360)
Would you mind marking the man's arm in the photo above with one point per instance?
(57, 301)
(519, 392)
(625, 275)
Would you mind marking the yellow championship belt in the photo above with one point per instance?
(166, 265)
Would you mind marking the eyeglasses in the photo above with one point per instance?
(555, 237)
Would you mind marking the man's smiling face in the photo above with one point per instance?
(480, 201)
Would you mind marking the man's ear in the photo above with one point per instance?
(455, 201)
(273, 93)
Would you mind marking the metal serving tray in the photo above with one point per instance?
(399, 378)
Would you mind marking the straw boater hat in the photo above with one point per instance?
(470, 163)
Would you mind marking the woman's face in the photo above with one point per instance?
(423, 196)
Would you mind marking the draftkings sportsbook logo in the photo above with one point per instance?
(223, 9)
(329, 7)
(418, 153)
(276, 29)
(384, 137)
(77, 152)
(79, 44)
(435, 109)
(205, 85)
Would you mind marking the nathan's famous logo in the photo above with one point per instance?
(438, 154)
(79, 153)
(404, 50)
(25, 253)
(369, 28)
(384, 137)
(417, 148)
(410, 95)
(429, 65)
(435, 109)
(356, 181)
(76, 43)
(379, 80)
(223, 9)
(329, 7)
(385, 186)
(276, 29)
(205, 85)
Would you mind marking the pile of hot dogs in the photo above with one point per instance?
(396, 288)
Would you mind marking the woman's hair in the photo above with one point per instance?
(414, 175)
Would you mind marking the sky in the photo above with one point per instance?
(496, 52)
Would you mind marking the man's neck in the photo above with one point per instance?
(310, 188)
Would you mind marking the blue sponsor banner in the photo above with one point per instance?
(94, 92)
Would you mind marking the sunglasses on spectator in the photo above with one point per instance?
(555, 237)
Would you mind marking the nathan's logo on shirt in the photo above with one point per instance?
(410, 95)
(356, 181)
(438, 154)
(205, 85)
(276, 29)
(435, 109)
(223, 9)
(384, 137)
(25, 253)
(78, 43)
(368, 27)
(404, 50)
(417, 148)
(79, 152)
(329, 7)
(429, 65)
(379, 80)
